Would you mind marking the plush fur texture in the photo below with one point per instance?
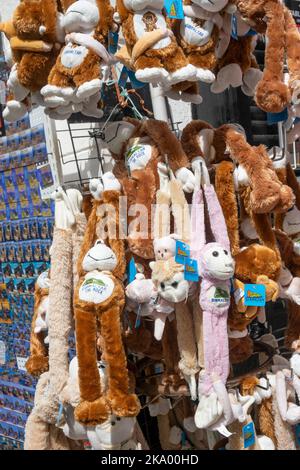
(34, 67)
(267, 192)
(95, 406)
(170, 58)
(266, 419)
(40, 435)
(143, 184)
(38, 360)
(60, 322)
(190, 138)
(272, 95)
(240, 349)
(293, 60)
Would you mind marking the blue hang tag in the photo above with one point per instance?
(274, 118)
(297, 434)
(234, 33)
(60, 412)
(249, 435)
(123, 77)
(174, 9)
(134, 81)
(232, 289)
(131, 271)
(255, 295)
(251, 32)
(182, 252)
(138, 318)
(113, 39)
(191, 270)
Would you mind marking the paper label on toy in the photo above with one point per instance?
(21, 361)
(274, 118)
(224, 431)
(174, 9)
(255, 295)
(219, 295)
(149, 20)
(2, 353)
(96, 289)
(131, 271)
(238, 295)
(138, 156)
(234, 27)
(73, 56)
(123, 77)
(194, 34)
(113, 39)
(297, 247)
(191, 270)
(249, 435)
(182, 252)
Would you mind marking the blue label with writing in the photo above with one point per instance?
(255, 295)
(274, 118)
(191, 270)
(182, 252)
(248, 435)
(174, 9)
(131, 271)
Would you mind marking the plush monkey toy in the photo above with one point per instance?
(35, 34)
(151, 49)
(77, 74)
(138, 147)
(98, 303)
(37, 362)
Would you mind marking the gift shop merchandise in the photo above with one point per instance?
(154, 304)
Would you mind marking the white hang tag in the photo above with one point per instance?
(224, 431)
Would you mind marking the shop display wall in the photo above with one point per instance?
(26, 225)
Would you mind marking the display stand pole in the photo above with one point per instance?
(159, 103)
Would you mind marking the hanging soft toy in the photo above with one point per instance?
(77, 74)
(138, 148)
(268, 193)
(274, 20)
(216, 267)
(151, 49)
(35, 34)
(99, 299)
(37, 362)
(237, 65)
(197, 34)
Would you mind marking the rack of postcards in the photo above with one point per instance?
(26, 225)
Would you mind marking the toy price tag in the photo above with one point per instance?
(191, 270)
(21, 361)
(255, 295)
(113, 38)
(274, 118)
(182, 252)
(131, 271)
(248, 435)
(234, 33)
(174, 9)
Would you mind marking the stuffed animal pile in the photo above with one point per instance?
(166, 272)
(61, 52)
